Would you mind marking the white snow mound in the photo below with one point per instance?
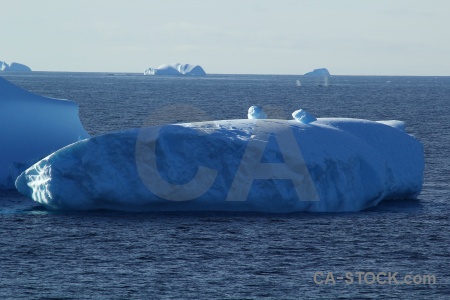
(256, 112)
(303, 116)
(276, 166)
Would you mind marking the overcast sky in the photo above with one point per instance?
(349, 37)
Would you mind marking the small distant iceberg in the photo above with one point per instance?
(176, 69)
(14, 67)
(318, 73)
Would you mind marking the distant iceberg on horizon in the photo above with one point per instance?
(14, 67)
(323, 72)
(176, 69)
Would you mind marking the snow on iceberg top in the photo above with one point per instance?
(176, 69)
(32, 127)
(256, 112)
(303, 116)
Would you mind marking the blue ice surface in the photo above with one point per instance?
(32, 127)
(276, 166)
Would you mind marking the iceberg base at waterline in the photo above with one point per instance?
(276, 166)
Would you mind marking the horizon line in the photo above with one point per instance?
(240, 74)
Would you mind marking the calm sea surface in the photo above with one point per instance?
(114, 255)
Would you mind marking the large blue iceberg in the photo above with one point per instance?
(32, 127)
(277, 166)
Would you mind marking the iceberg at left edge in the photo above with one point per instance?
(276, 166)
(14, 67)
(32, 127)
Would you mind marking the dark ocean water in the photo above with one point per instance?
(114, 255)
